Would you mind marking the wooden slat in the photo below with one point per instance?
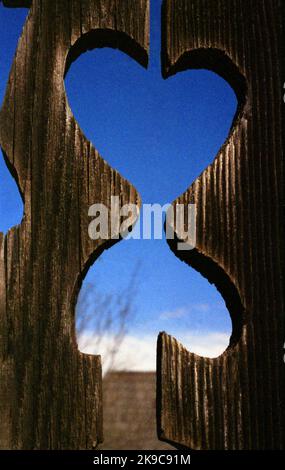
(50, 392)
(235, 401)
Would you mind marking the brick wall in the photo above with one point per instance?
(130, 411)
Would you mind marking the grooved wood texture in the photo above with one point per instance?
(50, 393)
(235, 401)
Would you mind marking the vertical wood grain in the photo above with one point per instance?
(50, 393)
(235, 401)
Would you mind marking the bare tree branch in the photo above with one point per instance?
(105, 315)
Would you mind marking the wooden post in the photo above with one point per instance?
(50, 392)
(235, 401)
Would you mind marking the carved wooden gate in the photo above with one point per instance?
(50, 393)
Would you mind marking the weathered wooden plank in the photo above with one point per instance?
(236, 400)
(50, 392)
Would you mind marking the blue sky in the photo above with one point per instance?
(160, 135)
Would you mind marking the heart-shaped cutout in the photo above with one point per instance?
(160, 135)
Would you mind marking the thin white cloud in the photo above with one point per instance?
(138, 353)
(193, 308)
(202, 307)
(177, 313)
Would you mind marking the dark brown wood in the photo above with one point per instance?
(50, 393)
(235, 401)
(17, 3)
